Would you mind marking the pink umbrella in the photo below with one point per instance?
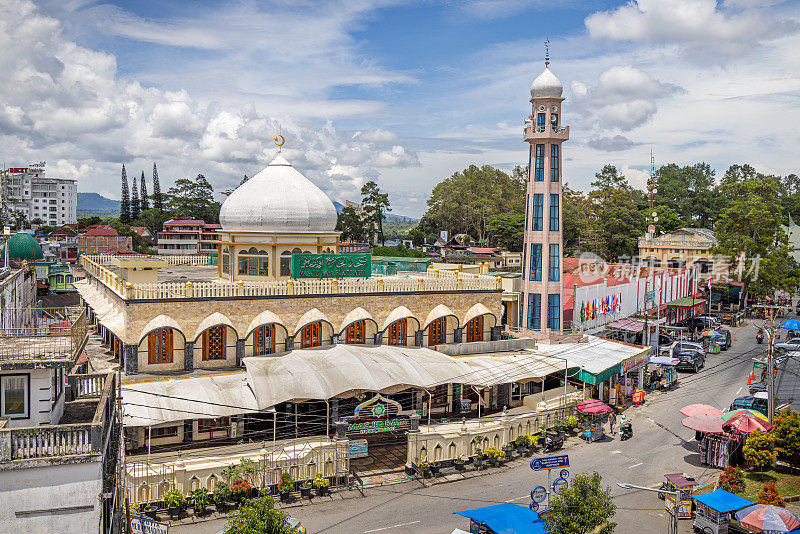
(746, 423)
(704, 423)
(767, 518)
(593, 407)
(700, 409)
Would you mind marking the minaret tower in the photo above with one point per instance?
(542, 295)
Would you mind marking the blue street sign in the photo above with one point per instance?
(550, 462)
(564, 473)
(559, 485)
(534, 506)
(538, 494)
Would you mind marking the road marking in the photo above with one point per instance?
(616, 452)
(635, 465)
(393, 526)
(740, 390)
(518, 498)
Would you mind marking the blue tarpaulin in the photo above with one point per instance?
(507, 518)
(722, 501)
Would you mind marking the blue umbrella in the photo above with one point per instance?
(791, 324)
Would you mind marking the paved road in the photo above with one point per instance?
(660, 445)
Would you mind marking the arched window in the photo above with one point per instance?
(159, 346)
(355, 333)
(254, 262)
(311, 335)
(475, 329)
(437, 331)
(286, 263)
(214, 343)
(398, 332)
(264, 340)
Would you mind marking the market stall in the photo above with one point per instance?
(714, 510)
(593, 426)
(683, 485)
(662, 372)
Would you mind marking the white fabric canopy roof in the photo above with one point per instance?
(153, 403)
(494, 370)
(328, 372)
(595, 356)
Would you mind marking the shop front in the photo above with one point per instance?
(632, 376)
(684, 308)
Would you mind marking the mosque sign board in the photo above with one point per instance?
(331, 265)
(377, 415)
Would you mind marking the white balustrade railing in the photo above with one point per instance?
(44, 441)
(433, 280)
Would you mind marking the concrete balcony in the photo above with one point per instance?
(535, 133)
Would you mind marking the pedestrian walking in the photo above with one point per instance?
(612, 419)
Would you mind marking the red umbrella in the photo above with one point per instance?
(593, 407)
(746, 423)
(700, 409)
(767, 518)
(704, 423)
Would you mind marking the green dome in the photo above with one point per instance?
(23, 247)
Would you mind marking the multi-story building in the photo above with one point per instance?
(686, 247)
(187, 236)
(103, 239)
(542, 251)
(53, 200)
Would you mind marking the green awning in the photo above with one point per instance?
(589, 378)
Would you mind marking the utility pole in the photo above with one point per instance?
(771, 370)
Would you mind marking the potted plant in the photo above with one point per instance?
(135, 507)
(458, 463)
(285, 487)
(152, 511)
(495, 455)
(305, 490)
(508, 449)
(477, 460)
(198, 498)
(425, 467)
(223, 493)
(174, 501)
(570, 423)
(241, 489)
(321, 483)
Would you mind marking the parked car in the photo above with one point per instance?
(682, 346)
(757, 387)
(698, 323)
(716, 318)
(723, 338)
(792, 344)
(691, 360)
(756, 402)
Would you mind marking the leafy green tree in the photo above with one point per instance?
(193, 199)
(351, 224)
(400, 251)
(750, 226)
(584, 507)
(769, 495)
(259, 516)
(759, 450)
(139, 244)
(89, 221)
(575, 223)
(125, 204)
(144, 200)
(732, 480)
(425, 231)
(158, 198)
(507, 231)
(466, 202)
(787, 436)
(668, 220)
(153, 219)
(135, 206)
(374, 204)
(614, 215)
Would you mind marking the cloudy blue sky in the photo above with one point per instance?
(405, 93)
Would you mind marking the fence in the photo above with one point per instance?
(53, 340)
(433, 281)
(448, 441)
(188, 259)
(49, 441)
(301, 458)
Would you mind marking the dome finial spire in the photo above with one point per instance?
(279, 139)
(547, 53)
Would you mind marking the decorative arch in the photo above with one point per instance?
(265, 317)
(194, 483)
(357, 314)
(311, 316)
(437, 313)
(214, 319)
(211, 483)
(401, 312)
(476, 311)
(160, 321)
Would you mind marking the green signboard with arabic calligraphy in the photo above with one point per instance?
(331, 265)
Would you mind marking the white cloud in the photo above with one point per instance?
(612, 144)
(624, 98)
(699, 27)
(376, 136)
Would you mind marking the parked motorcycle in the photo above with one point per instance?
(760, 337)
(552, 441)
(625, 431)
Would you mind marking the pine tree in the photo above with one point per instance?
(158, 200)
(135, 201)
(125, 204)
(144, 200)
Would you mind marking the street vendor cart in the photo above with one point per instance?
(715, 509)
(665, 373)
(683, 485)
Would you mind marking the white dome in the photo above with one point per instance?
(546, 85)
(278, 199)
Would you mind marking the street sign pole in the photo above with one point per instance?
(771, 370)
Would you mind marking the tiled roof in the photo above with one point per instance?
(102, 230)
